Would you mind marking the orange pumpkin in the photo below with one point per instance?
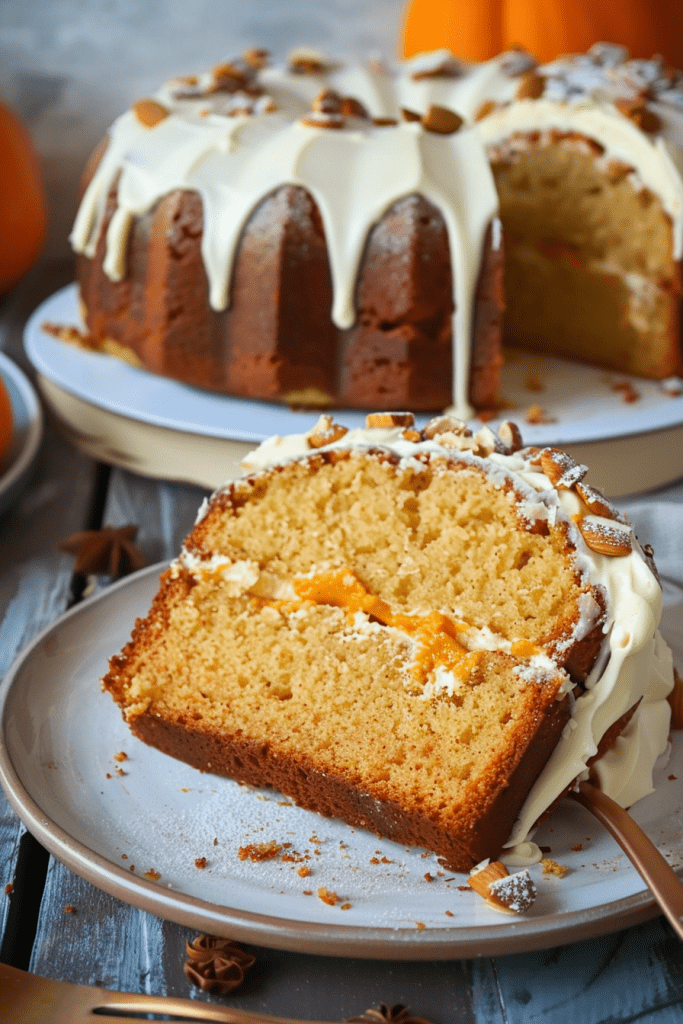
(22, 204)
(479, 29)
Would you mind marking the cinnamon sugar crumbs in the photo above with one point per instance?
(551, 867)
(533, 383)
(260, 851)
(153, 875)
(9, 888)
(327, 896)
(69, 909)
(628, 393)
(200, 862)
(537, 414)
(121, 756)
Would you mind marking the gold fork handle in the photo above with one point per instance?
(663, 881)
(182, 1009)
(26, 998)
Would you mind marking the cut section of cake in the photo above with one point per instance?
(402, 629)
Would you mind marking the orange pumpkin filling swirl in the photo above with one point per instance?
(435, 634)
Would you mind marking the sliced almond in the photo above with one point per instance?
(325, 431)
(501, 890)
(561, 469)
(256, 58)
(228, 77)
(510, 435)
(640, 114)
(410, 115)
(150, 112)
(441, 120)
(327, 102)
(304, 61)
(351, 107)
(597, 503)
(531, 86)
(484, 109)
(605, 537)
(446, 424)
(316, 120)
(389, 419)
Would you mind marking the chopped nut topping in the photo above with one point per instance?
(327, 102)
(325, 431)
(317, 120)
(531, 86)
(446, 424)
(303, 61)
(389, 419)
(149, 112)
(513, 893)
(605, 538)
(256, 58)
(484, 109)
(640, 114)
(435, 65)
(351, 107)
(561, 469)
(442, 120)
(597, 503)
(510, 435)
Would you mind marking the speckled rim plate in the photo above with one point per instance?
(27, 432)
(138, 828)
(582, 399)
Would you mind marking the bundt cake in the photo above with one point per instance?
(429, 634)
(328, 235)
(265, 233)
(587, 155)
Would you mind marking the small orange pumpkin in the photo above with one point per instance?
(479, 29)
(22, 203)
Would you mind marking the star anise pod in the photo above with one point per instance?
(384, 1014)
(215, 964)
(109, 551)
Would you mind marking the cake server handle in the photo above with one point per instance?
(662, 880)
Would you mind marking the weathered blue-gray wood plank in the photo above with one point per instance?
(634, 975)
(35, 576)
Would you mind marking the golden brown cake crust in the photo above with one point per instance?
(276, 339)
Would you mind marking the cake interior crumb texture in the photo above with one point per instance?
(356, 631)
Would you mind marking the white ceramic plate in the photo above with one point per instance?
(113, 820)
(581, 399)
(27, 432)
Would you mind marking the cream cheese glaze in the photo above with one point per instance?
(634, 667)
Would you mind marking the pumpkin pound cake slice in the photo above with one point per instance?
(392, 627)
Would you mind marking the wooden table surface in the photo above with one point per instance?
(632, 975)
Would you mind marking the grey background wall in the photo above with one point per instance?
(69, 67)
